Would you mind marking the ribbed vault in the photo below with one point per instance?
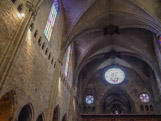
(112, 33)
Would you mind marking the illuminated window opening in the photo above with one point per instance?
(51, 20)
(68, 60)
(144, 97)
(89, 99)
(114, 76)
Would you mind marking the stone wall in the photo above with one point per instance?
(9, 25)
(132, 84)
(31, 74)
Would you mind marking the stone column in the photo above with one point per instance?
(54, 91)
(70, 110)
(157, 50)
(158, 55)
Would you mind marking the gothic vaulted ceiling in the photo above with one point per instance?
(112, 32)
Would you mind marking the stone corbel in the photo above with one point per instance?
(31, 7)
(60, 62)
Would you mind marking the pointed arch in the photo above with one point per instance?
(40, 117)
(7, 102)
(26, 113)
(56, 114)
(64, 117)
(51, 20)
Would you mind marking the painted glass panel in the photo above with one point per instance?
(68, 60)
(89, 99)
(144, 98)
(159, 40)
(114, 75)
(51, 20)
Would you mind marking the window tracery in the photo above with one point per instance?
(144, 98)
(114, 75)
(89, 99)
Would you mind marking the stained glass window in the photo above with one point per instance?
(159, 40)
(89, 99)
(144, 97)
(68, 60)
(116, 112)
(114, 75)
(51, 20)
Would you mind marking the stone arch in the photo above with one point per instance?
(142, 57)
(56, 113)
(7, 106)
(40, 117)
(25, 113)
(64, 117)
(121, 98)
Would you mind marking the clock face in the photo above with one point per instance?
(114, 75)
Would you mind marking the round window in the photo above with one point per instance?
(89, 99)
(144, 98)
(114, 75)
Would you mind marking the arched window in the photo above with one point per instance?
(56, 113)
(25, 114)
(68, 60)
(141, 107)
(146, 107)
(64, 117)
(159, 40)
(151, 108)
(40, 117)
(13, 1)
(6, 107)
(51, 20)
